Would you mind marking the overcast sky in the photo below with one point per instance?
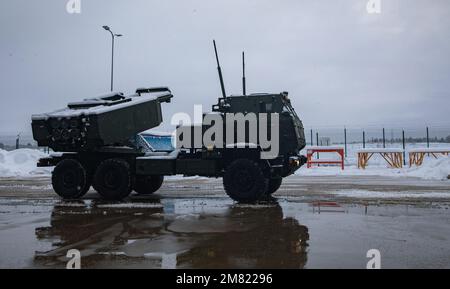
(340, 64)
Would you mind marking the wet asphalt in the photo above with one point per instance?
(192, 224)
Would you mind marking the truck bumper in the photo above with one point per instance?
(282, 167)
(295, 163)
(48, 162)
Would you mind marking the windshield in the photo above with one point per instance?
(288, 107)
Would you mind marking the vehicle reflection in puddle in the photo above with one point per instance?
(174, 233)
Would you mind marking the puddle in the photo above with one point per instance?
(217, 233)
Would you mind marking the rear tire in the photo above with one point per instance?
(244, 181)
(69, 179)
(112, 179)
(274, 185)
(146, 185)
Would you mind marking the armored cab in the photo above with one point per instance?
(249, 122)
(291, 135)
(109, 120)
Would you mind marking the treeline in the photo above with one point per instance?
(411, 140)
(13, 147)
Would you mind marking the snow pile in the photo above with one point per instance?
(432, 169)
(21, 162)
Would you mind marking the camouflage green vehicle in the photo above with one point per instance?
(97, 144)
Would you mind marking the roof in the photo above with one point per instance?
(98, 109)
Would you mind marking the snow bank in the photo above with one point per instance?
(432, 169)
(21, 163)
(389, 195)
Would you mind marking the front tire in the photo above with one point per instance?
(146, 185)
(244, 181)
(274, 185)
(112, 179)
(70, 180)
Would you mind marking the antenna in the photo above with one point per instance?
(243, 74)
(222, 86)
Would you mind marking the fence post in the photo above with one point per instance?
(428, 138)
(364, 139)
(404, 153)
(312, 138)
(345, 140)
(317, 142)
(384, 139)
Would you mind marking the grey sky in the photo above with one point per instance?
(341, 65)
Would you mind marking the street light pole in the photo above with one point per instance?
(113, 36)
(112, 62)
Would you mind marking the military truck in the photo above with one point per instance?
(97, 144)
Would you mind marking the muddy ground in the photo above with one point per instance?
(312, 222)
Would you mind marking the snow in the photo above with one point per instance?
(160, 155)
(67, 112)
(380, 150)
(326, 160)
(430, 150)
(130, 205)
(324, 147)
(21, 163)
(388, 195)
(154, 132)
(254, 206)
(432, 169)
(182, 177)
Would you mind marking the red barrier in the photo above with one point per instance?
(310, 151)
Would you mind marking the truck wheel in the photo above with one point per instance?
(146, 185)
(244, 181)
(274, 185)
(69, 179)
(112, 179)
